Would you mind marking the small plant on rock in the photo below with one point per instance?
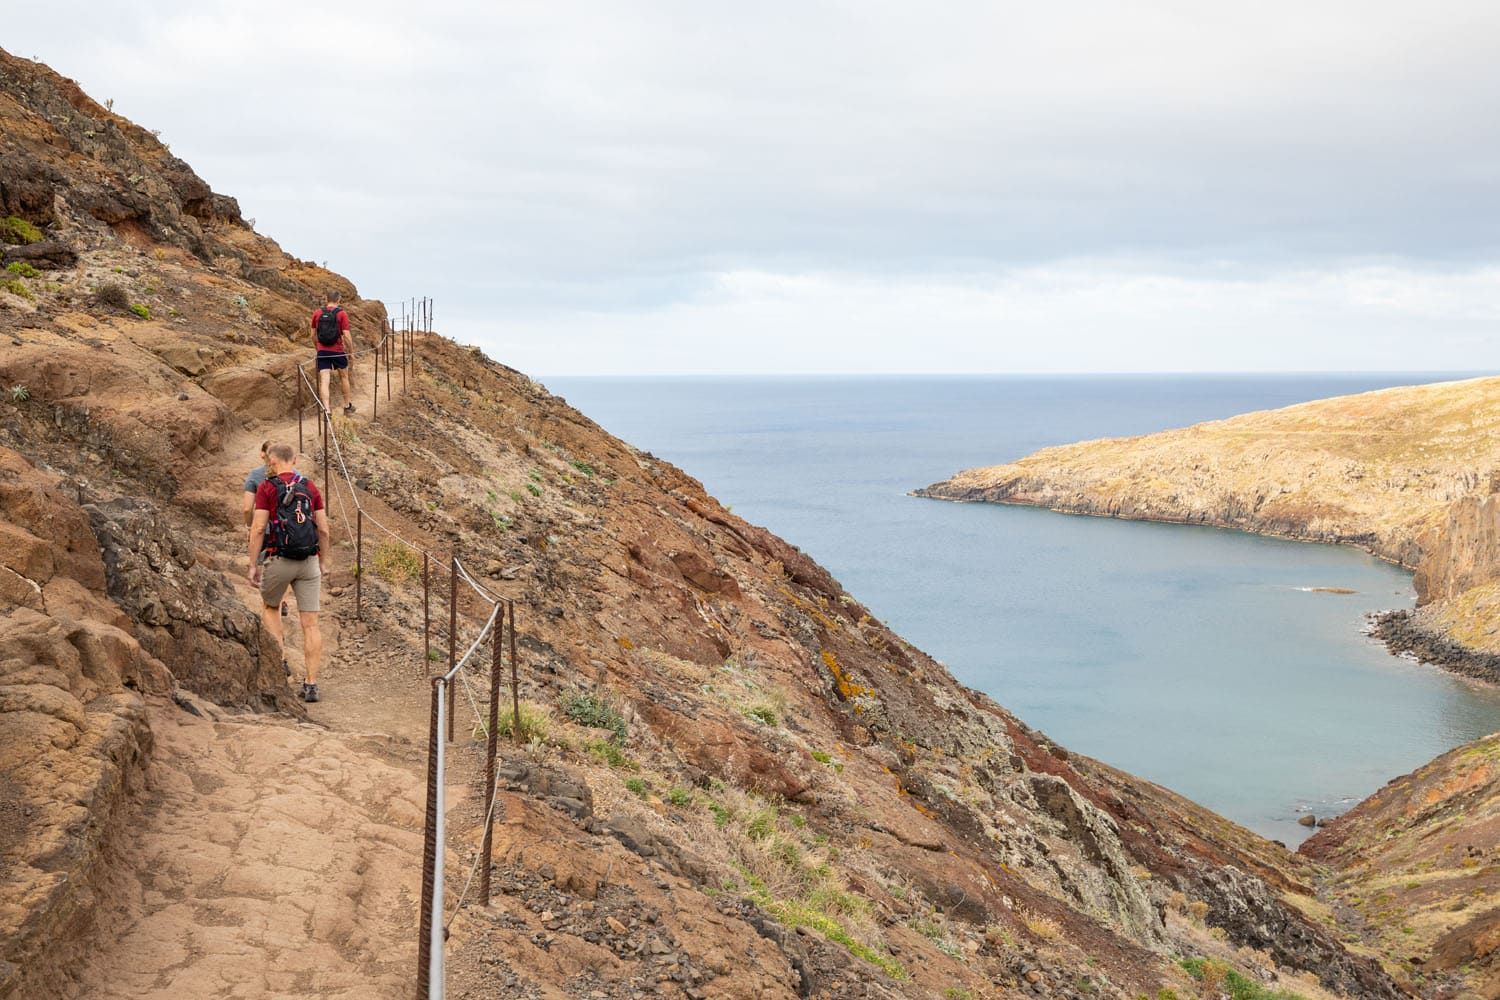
(593, 711)
(534, 723)
(15, 287)
(22, 269)
(637, 787)
(112, 295)
(18, 394)
(17, 230)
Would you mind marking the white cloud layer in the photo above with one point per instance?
(692, 186)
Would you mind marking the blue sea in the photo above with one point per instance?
(1196, 657)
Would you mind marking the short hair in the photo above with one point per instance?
(333, 295)
(281, 452)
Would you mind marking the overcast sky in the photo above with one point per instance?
(864, 186)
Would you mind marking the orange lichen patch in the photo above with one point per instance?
(624, 642)
(847, 690)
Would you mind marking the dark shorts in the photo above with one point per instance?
(338, 360)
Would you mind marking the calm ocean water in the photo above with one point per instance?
(1190, 656)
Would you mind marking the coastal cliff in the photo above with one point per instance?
(1408, 474)
(735, 781)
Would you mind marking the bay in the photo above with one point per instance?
(1195, 657)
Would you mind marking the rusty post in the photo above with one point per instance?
(426, 614)
(359, 563)
(388, 346)
(452, 631)
(429, 852)
(299, 409)
(405, 350)
(327, 436)
(515, 688)
(375, 377)
(497, 640)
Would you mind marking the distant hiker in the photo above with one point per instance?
(253, 480)
(288, 547)
(330, 326)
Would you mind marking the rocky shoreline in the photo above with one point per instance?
(1403, 633)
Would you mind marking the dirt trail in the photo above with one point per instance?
(271, 858)
(274, 858)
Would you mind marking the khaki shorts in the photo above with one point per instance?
(304, 576)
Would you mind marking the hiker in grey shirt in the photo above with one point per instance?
(253, 480)
(252, 483)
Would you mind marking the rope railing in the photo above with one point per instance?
(434, 923)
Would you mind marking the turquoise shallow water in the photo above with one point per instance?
(1191, 656)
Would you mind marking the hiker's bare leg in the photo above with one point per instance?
(312, 644)
(344, 381)
(270, 620)
(323, 380)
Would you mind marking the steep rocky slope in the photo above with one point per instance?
(1407, 473)
(737, 782)
(1419, 869)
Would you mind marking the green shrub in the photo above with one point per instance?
(533, 723)
(534, 489)
(1237, 986)
(680, 796)
(22, 269)
(764, 714)
(637, 787)
(606, 752)
(15, 287)
(17, 230)
(583, 467)
(19, 394)
(143, 311)
(394, 561)
(593, 711)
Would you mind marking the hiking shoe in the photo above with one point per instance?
(349, 409)
(287, 667)
(309, 692)
(284, 609)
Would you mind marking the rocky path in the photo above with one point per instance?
(270, 859)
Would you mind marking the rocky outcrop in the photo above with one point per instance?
(73, 736)
(1418, 869)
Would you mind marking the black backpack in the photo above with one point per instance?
(291, 533)
(328, 326)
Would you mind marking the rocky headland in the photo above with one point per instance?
(1409, 474)
(736, 782)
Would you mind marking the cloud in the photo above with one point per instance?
(591, 158)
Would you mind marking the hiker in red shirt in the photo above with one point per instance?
(330, 327)
(289, 547)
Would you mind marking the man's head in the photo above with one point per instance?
(334, 296)
(280, 458)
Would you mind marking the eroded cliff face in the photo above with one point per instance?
(788, 799)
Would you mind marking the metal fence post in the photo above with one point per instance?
(487, 852)
(426, 614)
(299, 408)
(388, 346)
(515, 688)
(359, 563)
(452, 631)
(375, 406)
(429, 849)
